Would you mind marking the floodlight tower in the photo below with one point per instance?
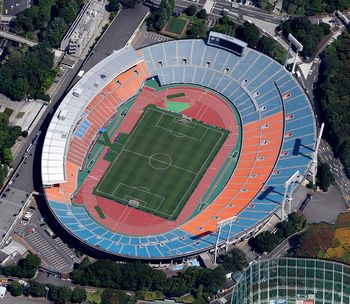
(219, 226)
(315, 154)
(293, 41)
(289, 187)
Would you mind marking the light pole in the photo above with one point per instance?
(293, 41)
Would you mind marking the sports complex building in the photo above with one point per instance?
(293, 281)
(174, 149)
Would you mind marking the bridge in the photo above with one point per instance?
(17, 38)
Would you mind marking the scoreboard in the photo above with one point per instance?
(227, 42)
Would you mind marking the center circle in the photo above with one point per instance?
(160, 161)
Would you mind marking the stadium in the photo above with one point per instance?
(176, 149)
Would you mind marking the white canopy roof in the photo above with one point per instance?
(72, 107)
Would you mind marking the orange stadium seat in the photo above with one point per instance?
(63, 192)
(250, 175)
(104, 105)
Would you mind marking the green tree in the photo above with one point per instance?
(310, 35)
(212, 280)
(28, 73)
(55, 31)
(325, 177)
(191, 10)
(37, 290)
(265, 242)
(112, 6)
(249, 33)
(16, 289)
(198, 30)
(60, 295)
(32, 261)
(202, 14)
(7, 156)
(225, 26)
(234, 260)
(161, 18)
(78, 295)
(113, 296)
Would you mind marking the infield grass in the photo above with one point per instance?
(161, 162)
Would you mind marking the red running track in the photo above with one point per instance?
(205, 106)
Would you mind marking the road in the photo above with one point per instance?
(341, 181)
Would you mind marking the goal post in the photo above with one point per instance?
(133, 203)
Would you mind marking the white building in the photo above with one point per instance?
(83, 28)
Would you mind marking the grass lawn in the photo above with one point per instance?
(94, 297)
(8, 112)
(161, 162)
(176, 25)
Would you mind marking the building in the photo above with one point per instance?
(12, 253)
(83, 28)
(293, 281)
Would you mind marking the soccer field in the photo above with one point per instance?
(161, 162)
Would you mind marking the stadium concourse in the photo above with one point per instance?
(220, 82)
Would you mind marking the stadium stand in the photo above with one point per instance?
(278, 139)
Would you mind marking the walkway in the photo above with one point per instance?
(17, 38)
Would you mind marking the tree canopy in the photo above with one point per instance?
(78, 295)
(202, 14)
(333, 94)
(137, 276)
(47, 20)
(16, 289)
(59, 294)
(27, 74)
(313, 7)
(234, 260)
(190, 10)
(325, 176)
(26, 267)
(267, 241)
(8, 136)
(308, 34)
(159, 17)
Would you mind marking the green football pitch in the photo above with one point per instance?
(161, 162)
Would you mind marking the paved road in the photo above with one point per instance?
(341, 181)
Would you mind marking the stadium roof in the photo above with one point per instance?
(72, 107)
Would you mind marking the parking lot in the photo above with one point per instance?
(35, 233)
